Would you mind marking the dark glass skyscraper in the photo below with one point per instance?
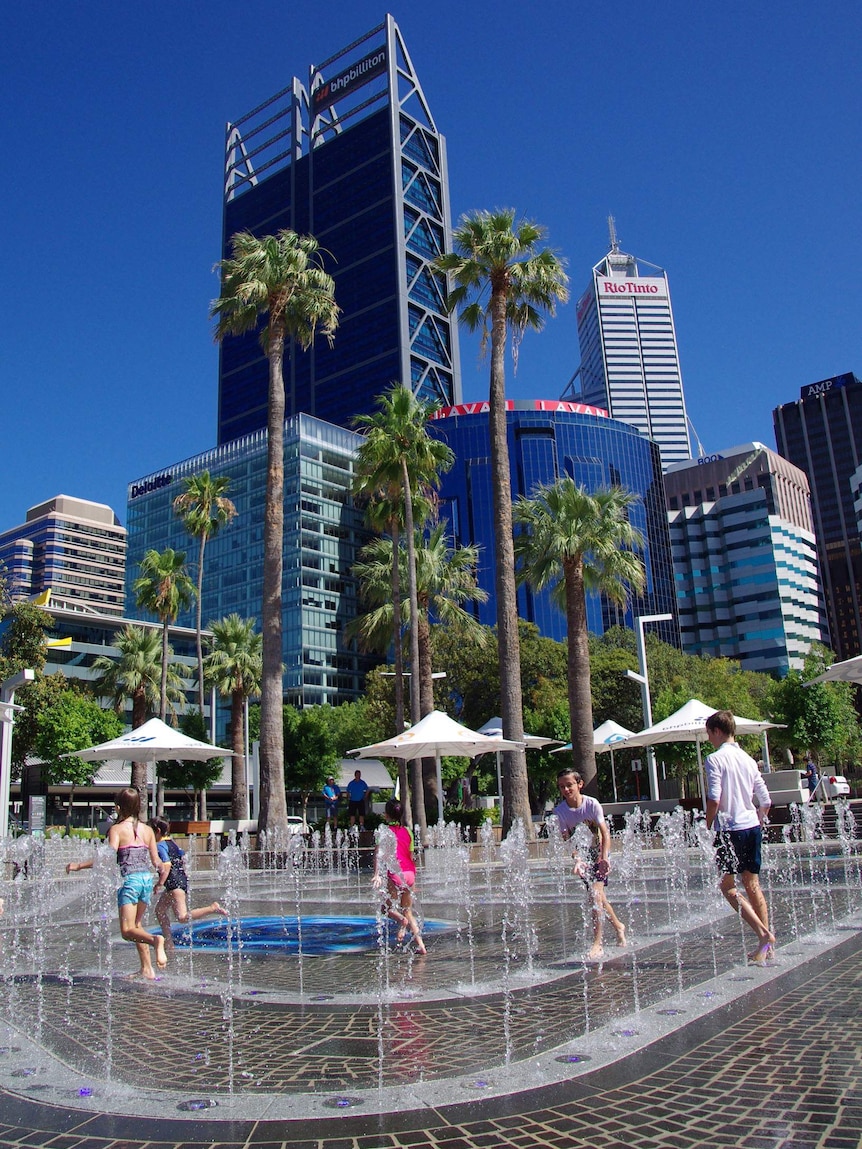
(355, 159)
(821, 432)
(549, 439)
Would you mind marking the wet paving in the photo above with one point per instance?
(777, 1063)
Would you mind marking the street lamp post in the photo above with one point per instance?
(7, 708)
(643, 679)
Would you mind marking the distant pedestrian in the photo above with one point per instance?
(174, 887)
(400, 875)
(357, 788)
(332, 796)
(733, 784)
(812, 779)
(576, 809)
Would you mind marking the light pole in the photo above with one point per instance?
(643, 679)
(7, 708)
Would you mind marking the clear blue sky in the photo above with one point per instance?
(723, 137)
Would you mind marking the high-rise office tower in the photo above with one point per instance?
(72, 548)
(821, 432)
(354, 158)
(744, 558)
(629, 357)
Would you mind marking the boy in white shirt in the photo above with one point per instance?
(732, 783)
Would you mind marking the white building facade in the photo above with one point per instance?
(629, 356)
(745, 559)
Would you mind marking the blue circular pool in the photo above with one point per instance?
(316, 934)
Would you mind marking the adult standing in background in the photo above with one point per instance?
(357, 788)
(331, 796)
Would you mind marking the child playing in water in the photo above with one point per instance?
(576, 809)
(400, 881)
(136, 852)
(174, 888)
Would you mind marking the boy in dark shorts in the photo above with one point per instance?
(733, 782)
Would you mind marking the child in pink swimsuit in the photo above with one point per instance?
(399, 880)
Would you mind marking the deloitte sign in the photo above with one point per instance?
(149, 485)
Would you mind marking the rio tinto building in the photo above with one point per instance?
(629, 357)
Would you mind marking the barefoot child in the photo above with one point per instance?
(400, 879)
(576, 809)
(136, 853)
(175, 886)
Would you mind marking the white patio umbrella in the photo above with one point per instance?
(688, 724)
(432, 736)
(155, 741)
(494, 728)
(605, 737)
(848, 671)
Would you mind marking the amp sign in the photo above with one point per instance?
(815, 390)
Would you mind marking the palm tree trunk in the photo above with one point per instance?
(199, 628)
(578, 669)
(272, 808)
(516, 797)
(158, 786)
(139, 769)
(239, 788)
(426, 703)
(403, 782)
(415, 715)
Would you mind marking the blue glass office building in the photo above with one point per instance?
(354, 158)
(547, 440)
(322, 532)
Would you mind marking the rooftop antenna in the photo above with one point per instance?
(700, 450)
(612, 232)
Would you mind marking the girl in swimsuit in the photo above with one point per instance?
(136, 853)
(400, 880)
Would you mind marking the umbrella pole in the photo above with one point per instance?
(614, 776)
(499, 781)
(700, 780)
(439, 787)
(766, 766)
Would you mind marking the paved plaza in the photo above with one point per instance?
(674, 1041)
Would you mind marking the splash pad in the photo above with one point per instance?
(503, 1002)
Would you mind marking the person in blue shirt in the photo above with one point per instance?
(331, 796)
(357, 788)
(812, 778)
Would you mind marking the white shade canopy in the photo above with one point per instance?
(494, 728)
(152, 742)
(609, 736)
(688, 724)
(433, 735)
(848, 671)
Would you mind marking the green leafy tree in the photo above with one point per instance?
(22, 638)
(353, 724)
(71, 723)
(502, 283)
(309, 752)
(235, 667)
(35, 697)
(280, 278)
(398, 448)
(819, 719)
(204, 509)
(575, 541)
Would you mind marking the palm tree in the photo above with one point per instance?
(136, 677)
(576, 542)
(280, 277)
(235, 667)
(204, 508)
(446, 584)
(503, 283)
(398, 448)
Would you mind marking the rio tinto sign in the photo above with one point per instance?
(615, 288)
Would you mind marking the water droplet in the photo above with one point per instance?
(30, 1071)
(85, 1091)
(670, 1012)
(342, 1102)
(196, 1104)
(572, 1058)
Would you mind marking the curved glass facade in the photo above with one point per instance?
(548, 440)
